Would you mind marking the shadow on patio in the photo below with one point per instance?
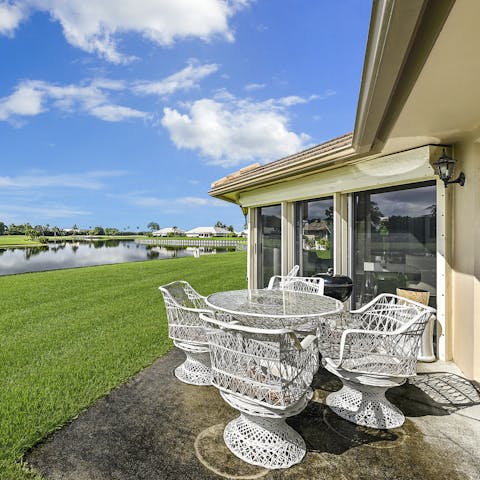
(157, 427)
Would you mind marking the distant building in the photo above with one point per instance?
(168, 232)
(208, 232)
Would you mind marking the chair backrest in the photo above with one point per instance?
(313, 285)
(265, 366)
(387, 338)
(184, 305)
(388, 313)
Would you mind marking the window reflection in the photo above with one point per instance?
(314, 236)
(269, 243)
(394, 241)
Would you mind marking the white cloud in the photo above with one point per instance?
(254, 86)
(26, 100)
(230, 131)
(39, 179)
(33, 97)
(143, 199)
(18, 213)
(185, 79)
(95, 26)
(10, 17)
(115, 113)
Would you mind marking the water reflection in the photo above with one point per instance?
(87, 253)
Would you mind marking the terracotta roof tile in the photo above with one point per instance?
(256, 169)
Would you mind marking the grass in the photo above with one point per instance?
(17, 240)
(70, 336)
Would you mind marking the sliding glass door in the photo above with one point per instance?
(269, 243)
(314, 236)
(394, 236)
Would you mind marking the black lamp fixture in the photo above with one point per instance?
(445, 167)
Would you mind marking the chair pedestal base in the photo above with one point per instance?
(195, 370)
(365, 405)
(266, 442)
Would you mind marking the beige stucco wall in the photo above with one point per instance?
(465, 301)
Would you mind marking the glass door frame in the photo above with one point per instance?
(259, 247)
(352, 218)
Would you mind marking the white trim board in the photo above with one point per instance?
(400, 168)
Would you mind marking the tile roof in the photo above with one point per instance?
(257, 170)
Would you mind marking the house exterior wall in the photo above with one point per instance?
(465, 301)
(397, 169)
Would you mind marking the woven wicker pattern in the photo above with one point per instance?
(185, 327)
(381, 338)
(313, 285)
(270, 368)
(365, 406)
(373, 349)
(265, 442)
(266, 375)
(183, 304)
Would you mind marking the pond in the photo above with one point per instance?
(55, 256)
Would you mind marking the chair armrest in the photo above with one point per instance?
(365, 333)
(271, 282)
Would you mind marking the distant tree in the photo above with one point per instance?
(230, 228)
(153, 226)
(220, 224)
(3, 228)
(31, 232)
(55, 230)
(98, 231)
(39, 229)
(75, 228)
(111, 231)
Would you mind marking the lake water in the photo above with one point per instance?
(55, 256)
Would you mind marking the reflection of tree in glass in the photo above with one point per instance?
(375, 213)
(433, 210)
(329, 214)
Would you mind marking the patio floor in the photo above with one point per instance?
(155, 427)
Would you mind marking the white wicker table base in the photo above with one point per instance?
(266, 442)
(195, 370)
(365, 405)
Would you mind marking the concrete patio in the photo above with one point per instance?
(155, 427)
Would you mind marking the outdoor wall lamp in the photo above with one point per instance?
(445, 167)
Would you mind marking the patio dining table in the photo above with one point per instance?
(263, 308)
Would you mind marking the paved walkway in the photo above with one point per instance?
(155, 427)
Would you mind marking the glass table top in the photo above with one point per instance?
(292, 307)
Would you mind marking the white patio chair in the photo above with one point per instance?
(187, 330)
(313, 285)
(266, 375)
(373, 350)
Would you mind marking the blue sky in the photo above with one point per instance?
(121, 113)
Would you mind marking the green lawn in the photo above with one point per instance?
(10, 240)
(69, 336)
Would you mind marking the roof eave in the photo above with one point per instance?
(400, 39)
(278, 174)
